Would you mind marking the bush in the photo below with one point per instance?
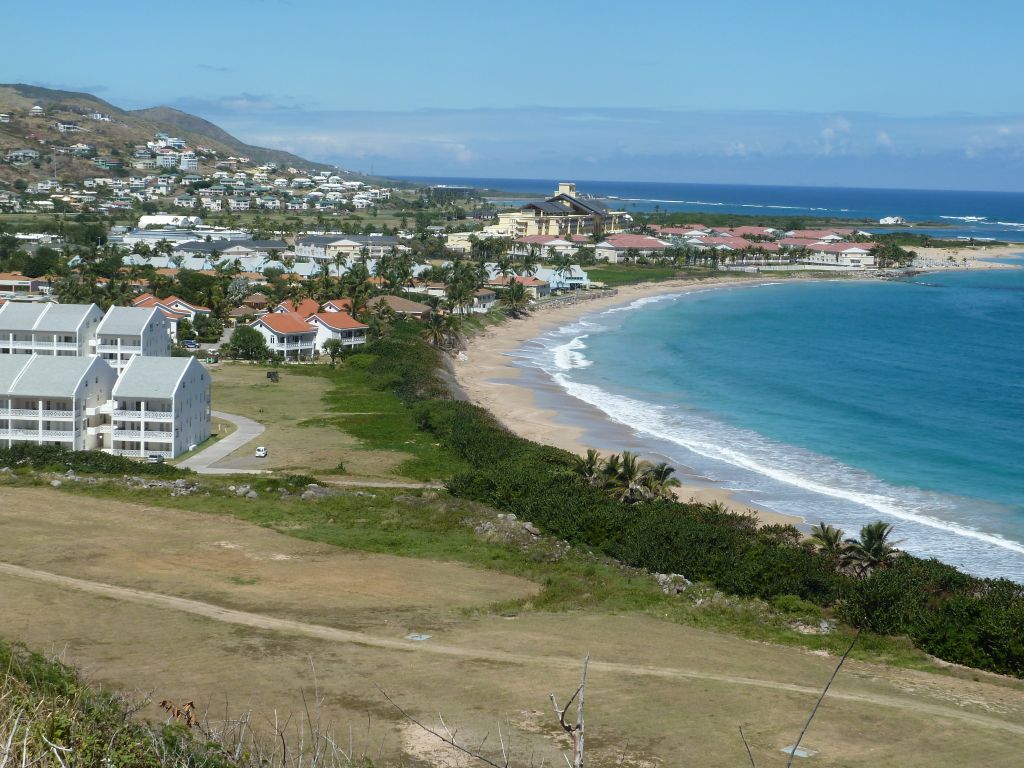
(58, 459)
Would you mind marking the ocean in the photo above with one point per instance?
(842, 401)
(981, 215)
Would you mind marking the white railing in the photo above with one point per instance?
(139, 415)
(134, 453)
(130, 349)
(36, 434)
(33, 413)
(38, 344)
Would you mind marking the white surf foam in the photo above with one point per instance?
(568, 356)
(791, 466)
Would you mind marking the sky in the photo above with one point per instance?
(904, 93)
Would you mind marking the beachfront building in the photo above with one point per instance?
(853, 256)
(63, 330)
(562, 215)
(400, 306)
(571, 277)
(337, 326)
(535, 287)
(627, 247)
(48, 399)
(126, 332)
(160, 406)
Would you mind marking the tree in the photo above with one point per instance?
(515, 299)
(248, 344)
(872, 550)
(333, 348)
(185, 330)
(828, 540)
(435, 330)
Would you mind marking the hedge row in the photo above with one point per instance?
(54, 458)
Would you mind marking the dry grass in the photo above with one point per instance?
(676, 694)
(282, 408)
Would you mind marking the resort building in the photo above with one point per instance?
(562, 215)
(54, 400)
(160, 407)
(535, 287)
(47, 328)
(626, 247)
(126, 332)
(325, 248)
(400, 306)
(848, 255)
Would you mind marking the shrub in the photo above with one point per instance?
(59, 459)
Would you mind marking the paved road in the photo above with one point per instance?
(333, 634)
(246, 430)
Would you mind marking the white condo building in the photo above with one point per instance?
(28, 328)
(80, 330)
(54, 400)
(160, 406)
(126, 332)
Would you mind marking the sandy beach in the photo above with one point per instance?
(969, 257)
(487, 375)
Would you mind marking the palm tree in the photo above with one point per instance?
(628, 483)
(872, 549)
(828, 540)
(340, 260)
(658, 481)
(589, 467)
(515, 299)
(435, 330)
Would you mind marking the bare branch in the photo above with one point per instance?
(792, 752)
(451, 742)
(749, 753)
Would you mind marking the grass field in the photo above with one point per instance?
(661, 692)
(328, 422)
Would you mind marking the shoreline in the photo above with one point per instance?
(487, 375)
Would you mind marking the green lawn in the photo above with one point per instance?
(624, 274)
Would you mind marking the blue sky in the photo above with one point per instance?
(905, 93)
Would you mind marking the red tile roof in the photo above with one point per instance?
(338, 305)
(641, 242)
(285, 322)
(305, 308)
(339, 321)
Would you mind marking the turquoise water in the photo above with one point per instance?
(843, 401)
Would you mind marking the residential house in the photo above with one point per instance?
(18, 284)
(324, 248)
(338, 326)
(570, 277)
(160, 406)
(535, 287)
(303, 309)
(257, 301)
(51, 400)
(484, 300)
(400, 306)
(854, 256)
(287, 334)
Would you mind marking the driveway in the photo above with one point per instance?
(246, 430)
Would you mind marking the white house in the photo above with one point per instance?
(287, 334)
(126, 332)
(337, 326)
(323, 248)
(568, 278)
(52, 400)
(854, 256)
(48, 329)
(160, 406)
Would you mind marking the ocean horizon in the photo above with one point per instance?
(964, 214)
(842, 401)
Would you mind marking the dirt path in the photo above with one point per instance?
(384, 484)
(332, 634)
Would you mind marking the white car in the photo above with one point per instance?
(261, 452)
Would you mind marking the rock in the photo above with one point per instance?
(180, 483)
(672, 583)
(531, 529)
(511, 517)
(231, 488)
(307, 495)
(251, 495)
(55, 483)
(312, 487)
(69, 473)
(501, 515)
(5, 470)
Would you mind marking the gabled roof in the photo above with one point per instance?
(399, 305)
(338, 305)
(127, 321)
(640, 242)
(153, 377)
(52, 318)
(338, 321)
(305, 308)
(285, 322)
(48, 375)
